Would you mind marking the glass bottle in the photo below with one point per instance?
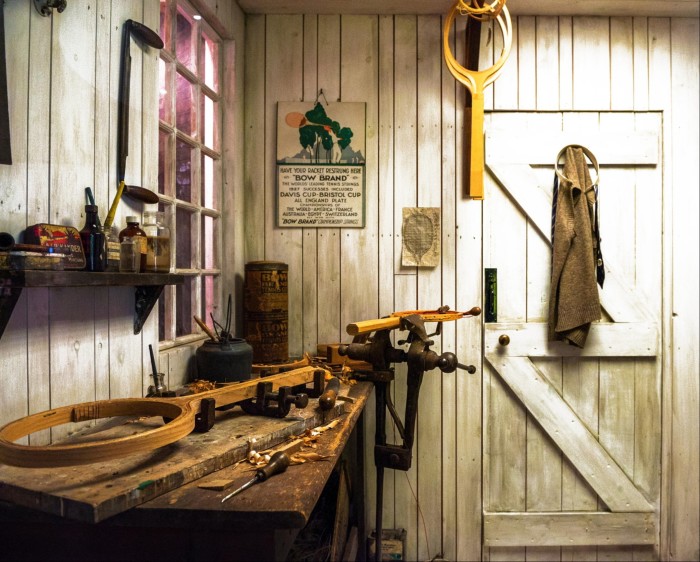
(129, 259)
(158, 245)
(92, 238)
(113, 249)
(133, 230)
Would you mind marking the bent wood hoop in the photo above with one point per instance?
(181, 411)
(476, 81)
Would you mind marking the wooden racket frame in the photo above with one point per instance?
(476, 81)
(181, 411)
(483, 13)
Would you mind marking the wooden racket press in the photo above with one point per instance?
(477, 80)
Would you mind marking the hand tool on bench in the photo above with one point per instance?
(327, 400)
(186, 413)
(378, 350)
(148, 37)
(477, 80)
(278, 464)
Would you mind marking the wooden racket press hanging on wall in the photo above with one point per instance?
(477, 80)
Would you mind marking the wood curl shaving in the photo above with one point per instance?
(303, 457)
(201, 386)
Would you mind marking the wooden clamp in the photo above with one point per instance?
(476, 81)
(393, 321)
(182, 411)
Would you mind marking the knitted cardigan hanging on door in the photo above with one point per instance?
(574, 301)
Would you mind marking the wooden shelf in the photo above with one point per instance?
(147, 287)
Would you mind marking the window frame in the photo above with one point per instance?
(197, 276)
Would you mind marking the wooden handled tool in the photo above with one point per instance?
(476, 81)
(277, 465)
(181, 411)
(393, 321)
(327, 400)
(205, 328)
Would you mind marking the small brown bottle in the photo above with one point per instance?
(133, 230)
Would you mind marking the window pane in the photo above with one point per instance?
(161, 317)
(165, 97)
(183, 309)
(184, 153)
(185, 112)
(210, 122)
(166, 324)
(183, 232)
(165, 160)
(165, 24)
(210, 52)
(209, 226)
(211, 173)
(185, 43)
(209, 292)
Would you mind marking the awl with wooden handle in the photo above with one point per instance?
(278, 464)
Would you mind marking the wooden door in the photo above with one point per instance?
(572, 437)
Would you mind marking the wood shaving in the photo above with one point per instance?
(200, 386)
(301, 458)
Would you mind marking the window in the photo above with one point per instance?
(189, 164)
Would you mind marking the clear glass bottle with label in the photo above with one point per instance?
(133, 230)
(129, 256)
(113, 249)
(158, 242)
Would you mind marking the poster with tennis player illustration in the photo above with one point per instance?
(321, 164)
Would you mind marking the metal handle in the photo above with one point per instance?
(504, 339)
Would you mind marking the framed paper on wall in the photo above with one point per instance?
(321, 164)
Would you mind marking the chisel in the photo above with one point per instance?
(278, 464)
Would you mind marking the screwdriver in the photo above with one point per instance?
(278, 464)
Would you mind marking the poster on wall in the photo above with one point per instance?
(421, 236)
(321, 164)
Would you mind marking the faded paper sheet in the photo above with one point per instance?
(421, 236)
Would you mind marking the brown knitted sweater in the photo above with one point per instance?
(574, 301)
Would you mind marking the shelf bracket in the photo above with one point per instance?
(8, 299)
(145, 297)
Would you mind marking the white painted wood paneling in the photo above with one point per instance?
(59, 347)
(559, 63)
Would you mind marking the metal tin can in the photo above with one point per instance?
(266, 313)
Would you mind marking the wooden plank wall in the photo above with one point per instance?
(414, 148)
(67, 345)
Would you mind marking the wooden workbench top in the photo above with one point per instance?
(98, 491)
(287, 499)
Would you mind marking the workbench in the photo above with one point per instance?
(189, 522)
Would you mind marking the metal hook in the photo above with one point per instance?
(320, 93)
(45, 7)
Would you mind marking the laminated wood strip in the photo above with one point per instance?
(181, 411)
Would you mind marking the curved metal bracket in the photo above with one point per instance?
(45, 7)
